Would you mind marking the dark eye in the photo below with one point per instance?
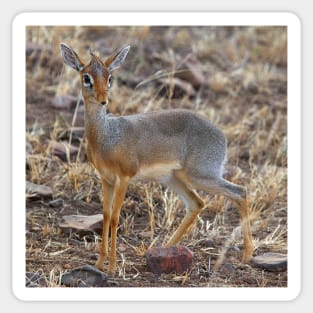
(87, 80)
(110, 81)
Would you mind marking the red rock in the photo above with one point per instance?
(177, 259)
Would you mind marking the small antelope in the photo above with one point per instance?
(178, 148)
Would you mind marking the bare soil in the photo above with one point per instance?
(235, 76)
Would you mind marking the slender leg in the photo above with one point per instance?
(108, 194)
(247, 236)
(120, 190)
(239, 195)
(193, 206)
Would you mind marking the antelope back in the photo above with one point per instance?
(96, 77)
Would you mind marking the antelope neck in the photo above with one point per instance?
(95, 113)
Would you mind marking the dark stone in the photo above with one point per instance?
(35, 280)
(63, 150)
(56, 203)
(273, 262)
(228, 268)
(245, 155)
(86, 276)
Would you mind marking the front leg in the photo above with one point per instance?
(107, 195)
(120, 191)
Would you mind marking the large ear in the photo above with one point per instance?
(115, 60)
(71, 58)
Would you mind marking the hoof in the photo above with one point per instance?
(246, 258)
(111, 271)
(99, 265)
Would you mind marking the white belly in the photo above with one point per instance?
(160, 172)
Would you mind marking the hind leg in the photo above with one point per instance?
(247, 236)
(239, 195)
(193, 206)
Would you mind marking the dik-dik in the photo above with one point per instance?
(177, 148)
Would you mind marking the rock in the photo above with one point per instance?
(83, 223)
(86, 276)
(208, 243)
(191, 71)
(177, 259)
(34, 190)
(62, 149)
(180, 87)
(65, 102)
(35, 280)
(244, 155)
(76, 132)
(273, 262)
(252, 87)
(56, 203)
(146, 234)
(228, 268)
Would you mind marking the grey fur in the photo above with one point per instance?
(181, 136)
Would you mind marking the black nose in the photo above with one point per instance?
(104, 102)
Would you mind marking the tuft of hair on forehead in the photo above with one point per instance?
(95, 62)
(90, 51)
(111, 63)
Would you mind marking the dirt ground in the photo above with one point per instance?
(235, 76)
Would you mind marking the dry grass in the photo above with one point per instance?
(244, 93)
